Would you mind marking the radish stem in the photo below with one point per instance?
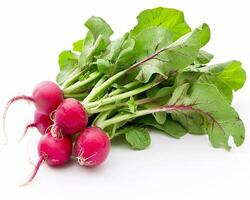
(78, 95)
(116, 98)
(74, 76)
(80, 84)
(93, 94)
(169, 108)
(126, 87)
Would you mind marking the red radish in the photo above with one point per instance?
(54, 151)
(41, 121)
(92, 147)
(70, 117)
(46, 97)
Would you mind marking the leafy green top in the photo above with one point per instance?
(157, 75)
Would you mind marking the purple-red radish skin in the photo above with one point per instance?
(92, 147)
(53, 151)
(47, 97)
(70, 117)
(41, 121)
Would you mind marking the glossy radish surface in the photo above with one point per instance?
(53, 151)
(46, 96)
(92, 147)
(70, 117)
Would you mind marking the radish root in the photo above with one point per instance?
(40, 161)
(84, 161)
(31, 125)
(16, 98)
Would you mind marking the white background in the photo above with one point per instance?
(32, 33)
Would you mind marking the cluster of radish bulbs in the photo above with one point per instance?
(58, 119)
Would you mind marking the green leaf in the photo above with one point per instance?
(233, 75)
(103, 66)
(88, 55)
(160, 117)
(96, 40)
(163, 95)
(125, 57)
(203, 107)
(179, 93)
(170, 126)
(137, 137)
(67, 59)
(203, 57)
(187, 77)
(132, 105)
(78, 45)
(168, 18)
(152, 67)
(120, 47)
(177, 55)
(149, 40)
(221, 85)
(97, 26)
(194, 77)
(230, 72)
(159, 96)
(204, 34)
(120, 54)
(158, 92)
(68, 63)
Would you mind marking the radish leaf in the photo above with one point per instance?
(170, 127)
(168, 18)
(137, 137)
(177, 55)
(208, 112)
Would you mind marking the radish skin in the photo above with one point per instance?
(41, 121)
(46, 97)
(92, 147)
(53, 151)
(69, 118)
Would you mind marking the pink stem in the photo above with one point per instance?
(40, 161)
(20, 97)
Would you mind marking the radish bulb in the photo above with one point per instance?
(53, 151)
(69, 118)
(46, 97)
(92, 147)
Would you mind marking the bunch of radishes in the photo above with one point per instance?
(156, 75)
(57, 119)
